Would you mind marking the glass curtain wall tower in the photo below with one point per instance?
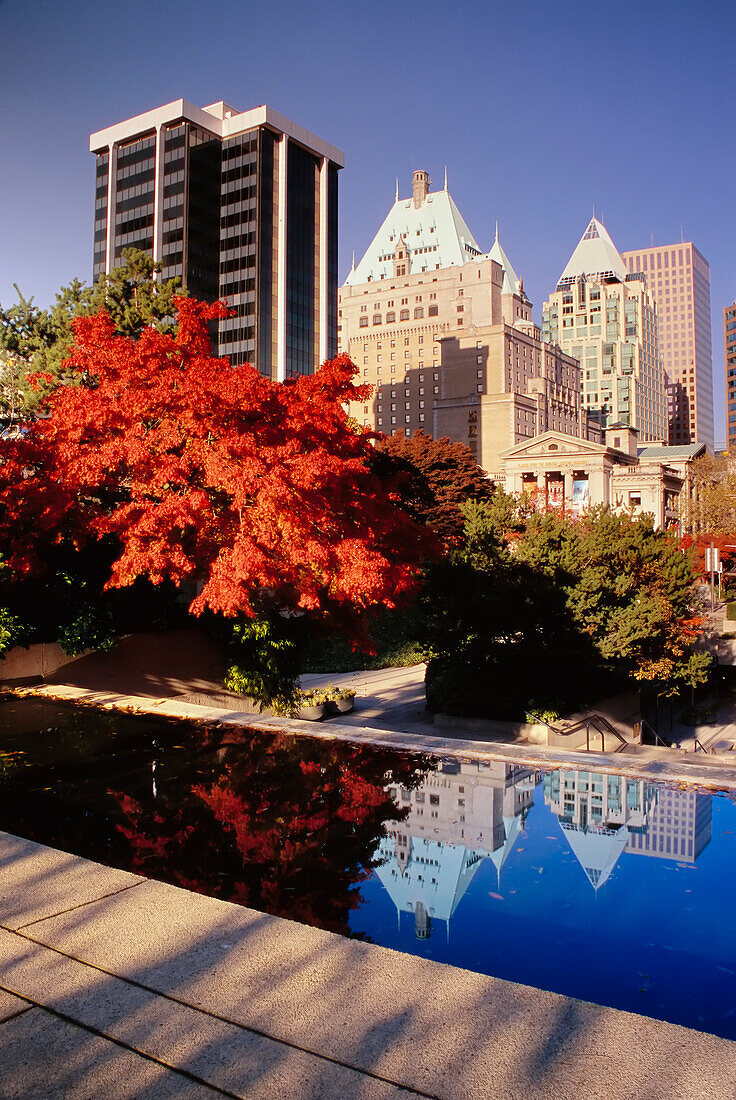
(240, 206)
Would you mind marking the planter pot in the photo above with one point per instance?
(311, 714)
(341, 706)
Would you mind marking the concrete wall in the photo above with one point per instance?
(34, 662)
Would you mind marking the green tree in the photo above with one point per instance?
(629, 588)
(561, 614)
(35, 343)
(499, 632)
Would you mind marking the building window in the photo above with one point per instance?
(363, 322)
(390, 318)
(433, 311)
(418, 312)
(404, 315)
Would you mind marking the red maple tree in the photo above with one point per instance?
(208, 473)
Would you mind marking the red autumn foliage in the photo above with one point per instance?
(279, 823)
(726, 544)
(208, 473)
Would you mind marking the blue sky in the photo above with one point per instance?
(540, 111)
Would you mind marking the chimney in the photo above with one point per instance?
(420, 185)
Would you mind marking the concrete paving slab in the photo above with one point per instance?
(36, 881)
(225, 1055)
(10, 1005)
(42, 1056)
(440, 1030)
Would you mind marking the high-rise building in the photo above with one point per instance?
(729, 353)
(678, 278)
(241, 206)
(606, 319)
(443, 332)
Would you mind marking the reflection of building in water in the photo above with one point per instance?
(462, 813)
(599, 814)
(679, 827)
(604, 815)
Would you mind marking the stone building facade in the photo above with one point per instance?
(571, 474)
(444, 334)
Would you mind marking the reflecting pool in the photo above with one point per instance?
(619, 891)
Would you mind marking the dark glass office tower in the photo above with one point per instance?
(239, 206)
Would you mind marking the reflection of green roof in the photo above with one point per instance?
(683, 450)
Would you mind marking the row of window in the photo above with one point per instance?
(404, 315)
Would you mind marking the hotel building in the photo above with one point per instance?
(729, 352)
(606, 319)
(678, 278)
(443, 332)
(240, 206)
(462, 814)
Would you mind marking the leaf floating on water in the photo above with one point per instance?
(496, 896)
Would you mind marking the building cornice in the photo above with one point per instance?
(228, 126)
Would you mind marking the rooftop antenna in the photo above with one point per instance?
(353, 267)
(651, 240)
(445, 177)
(397, 190)
(496, 230)
(682, 237)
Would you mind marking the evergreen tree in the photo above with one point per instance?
(35, 343)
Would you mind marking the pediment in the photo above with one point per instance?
(553, 444)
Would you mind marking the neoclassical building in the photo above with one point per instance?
(571, 474)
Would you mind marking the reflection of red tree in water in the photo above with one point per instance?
(282, 823)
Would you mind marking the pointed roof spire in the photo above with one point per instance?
(596, 254)
(510, 278)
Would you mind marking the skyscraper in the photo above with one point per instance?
(241, 206)
(678, 278)
(606, 319)
(729, 352)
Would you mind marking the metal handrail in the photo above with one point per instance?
(595, 720)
